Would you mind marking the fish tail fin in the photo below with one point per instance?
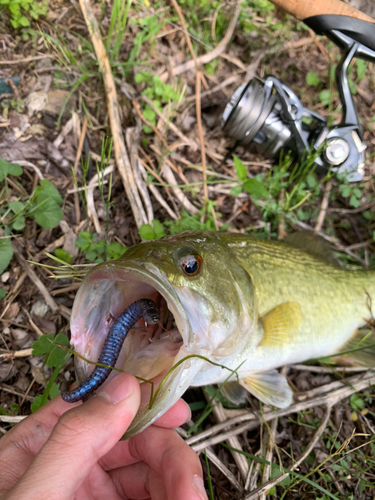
(358, 351)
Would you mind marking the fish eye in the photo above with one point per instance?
(191, 264)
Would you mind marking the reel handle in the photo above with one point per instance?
(301, 9)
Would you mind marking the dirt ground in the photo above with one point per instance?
(57, 124)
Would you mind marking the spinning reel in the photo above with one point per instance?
(269, 115)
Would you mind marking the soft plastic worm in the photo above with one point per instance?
(145, 308)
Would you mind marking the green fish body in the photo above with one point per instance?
(248, 304)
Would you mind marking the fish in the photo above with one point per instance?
(244, 303)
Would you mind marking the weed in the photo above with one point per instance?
(22, 11)
(63, 255)
(148, 232)
(253, 186)
(54, 357)
(150, 27)
(117, 28)
(285, 190)
(350, 190)
(97, 250)
(43, 205)
(159, 93)
(203, 221)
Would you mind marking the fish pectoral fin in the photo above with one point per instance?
(280, 324)
(270, 387)
(234, 393)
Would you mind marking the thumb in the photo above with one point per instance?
(82, 436)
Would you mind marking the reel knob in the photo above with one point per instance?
(336, 152)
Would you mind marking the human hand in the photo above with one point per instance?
(66, 452)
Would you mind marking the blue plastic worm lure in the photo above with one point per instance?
(145, 308)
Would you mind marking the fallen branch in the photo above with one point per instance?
(22, 353)
(262, 490)
(206, 58)
(122, 158)
(253, 420)
(34, 278)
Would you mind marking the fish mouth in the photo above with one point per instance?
(149, 351)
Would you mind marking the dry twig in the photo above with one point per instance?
(261, 491)
(323, 207)
(34, 278)
(253, 420)
(241, 461)
(122, 158)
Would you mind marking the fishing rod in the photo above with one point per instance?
(269, 114)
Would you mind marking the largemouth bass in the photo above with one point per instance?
(244, 303)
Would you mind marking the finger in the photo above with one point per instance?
(19, 446)
(81, 436)
(168, 455)
(131, 480)
(179, 414)
(138, 482)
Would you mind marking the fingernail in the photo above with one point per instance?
(199, 487)
(188, 413)
(117, 389)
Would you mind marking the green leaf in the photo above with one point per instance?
(240, 168)
(361, 68)
(146, 232)
(91, 255)
(63, 255)
(6, 253)
(325, 97)
(356, 402)
(255, 188)
(47, 190)
(15, 408)
(115, 250)
(236, 190)
(158, 228)
(312, 79)
(43, 345)
(345, 190)
(19, 223)
(7, 168)
(311, 181)
(16, 206)
(276, 471)
(2, 410)
(37, 403)
(354, 202)
(49, 214)
(147, 129)
(57, 355)
(55, 391)
(85, 235)
(149, 114)
(2, 293)
(23, 21)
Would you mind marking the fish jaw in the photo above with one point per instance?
(107, 290)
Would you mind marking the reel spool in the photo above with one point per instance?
(269, 115)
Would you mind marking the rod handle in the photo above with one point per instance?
(301, 9)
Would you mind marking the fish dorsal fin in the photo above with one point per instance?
(234, 393)
(280, 324)
(362, 345)
(312, 243)
(269, 387)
